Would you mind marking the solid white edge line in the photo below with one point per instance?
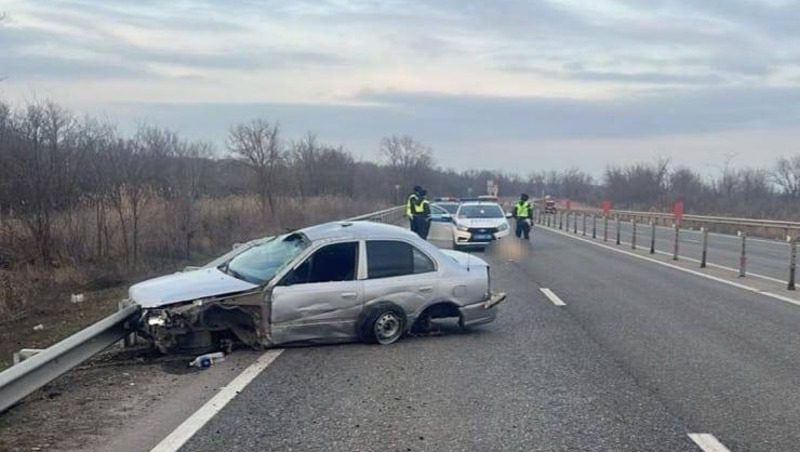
(707, 442)
(552, 297)
(196, 421)
(679, 268)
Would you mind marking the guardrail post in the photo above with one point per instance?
(653, 236)
(547, 217)
(560, 219)
(130, 339)
(675, 246)
(605, 228)
(704, 255)
(743, 256)
(583, 215)
(792, 263)
(575, 222)
(594, 226)
(618, 230)
(633, 234)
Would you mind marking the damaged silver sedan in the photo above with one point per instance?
(336, 282)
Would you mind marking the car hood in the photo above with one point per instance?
(481, 222)
(466, 260)
(185, 286)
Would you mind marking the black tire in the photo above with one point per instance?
(383, 323)
(423, 324)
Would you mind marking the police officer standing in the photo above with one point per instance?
(523, 214)
(411, 204)
(422, 215)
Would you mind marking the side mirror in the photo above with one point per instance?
(236, 245)
(509, 215)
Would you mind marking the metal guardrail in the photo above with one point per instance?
(700, 219)
(390, 215)
(791, 229)
(20, 380)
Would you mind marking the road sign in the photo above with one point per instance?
(677, 211)
(606, 207)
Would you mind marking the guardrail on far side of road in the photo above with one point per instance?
(741, 227)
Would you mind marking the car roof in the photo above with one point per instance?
(480, 203)
(356, 230)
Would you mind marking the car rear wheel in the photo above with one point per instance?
(384, 324)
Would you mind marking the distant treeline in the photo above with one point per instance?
(60, 171)
(75, 188)
(770, 192)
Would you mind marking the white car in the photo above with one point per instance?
(478, 223)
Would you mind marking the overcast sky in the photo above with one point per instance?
(512, 85)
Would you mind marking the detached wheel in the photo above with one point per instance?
(384, 324)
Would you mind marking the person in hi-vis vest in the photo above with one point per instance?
(523, 214)
(411, 204)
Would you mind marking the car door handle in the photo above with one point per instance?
(426, 289)
(349, 294)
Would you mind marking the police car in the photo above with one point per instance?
(478, 223)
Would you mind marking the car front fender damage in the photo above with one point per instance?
(210, 323)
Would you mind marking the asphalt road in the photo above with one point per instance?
(639, 357)
(764, 257)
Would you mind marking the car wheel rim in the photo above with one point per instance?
(387, 327)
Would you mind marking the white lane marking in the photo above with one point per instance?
(196, 421)
(553, 297)
(679, 268)
(708, 442)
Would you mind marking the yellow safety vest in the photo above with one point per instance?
(412, 198)
(420, 208)
(523, 209)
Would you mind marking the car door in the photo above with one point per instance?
(441, 225)
(401, 273)
(320, 299)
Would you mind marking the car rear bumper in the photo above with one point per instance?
(481, 312)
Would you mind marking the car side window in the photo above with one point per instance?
(337, 262)
(422, 263)
(388, 258)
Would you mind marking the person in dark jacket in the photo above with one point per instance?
(422, 215)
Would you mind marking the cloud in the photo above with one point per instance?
(656, 114)
(447, 119)
(458, 73)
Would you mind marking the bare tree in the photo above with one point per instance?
(186, 179)
(407, 156)
(257, 143)
(304, 155)
(787, 176)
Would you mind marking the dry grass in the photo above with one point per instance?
(33, 292)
